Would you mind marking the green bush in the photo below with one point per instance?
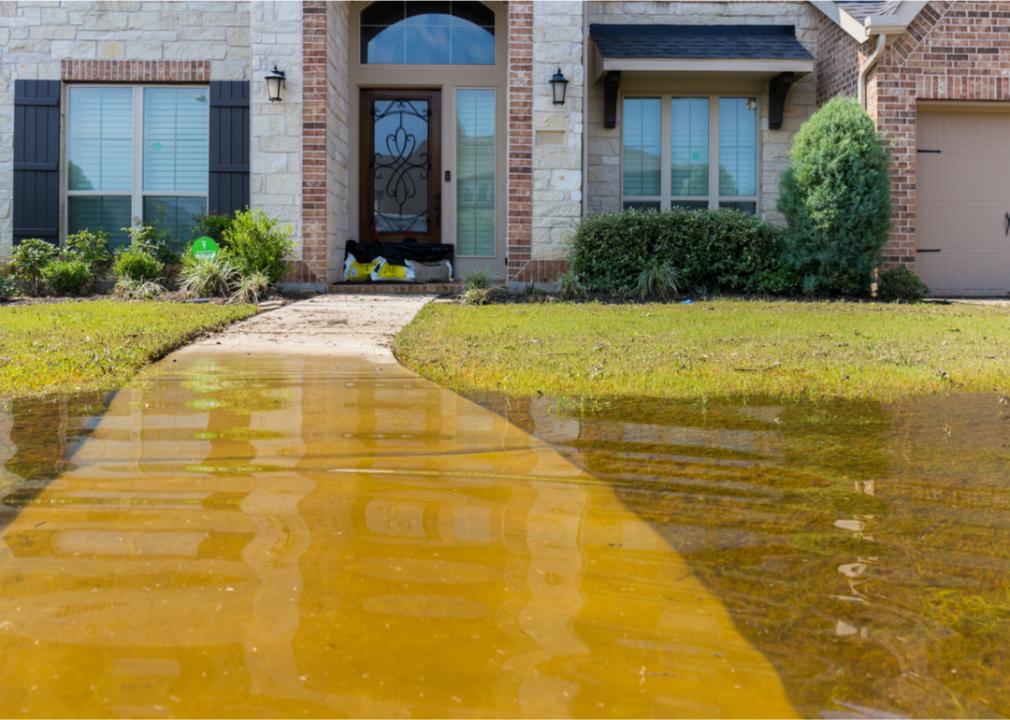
(209, 278)
(91, 248)
(28, 260)
(138, 264)
(213, 226)
(710, 251)
(901, 285)
(257, 243)
(836, 198)
(67, 277)
(155, 242)
(7, 288)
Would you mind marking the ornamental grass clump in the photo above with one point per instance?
(209, 277)
(836, 198)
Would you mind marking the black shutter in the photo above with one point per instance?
(229, 146)
(37, 160)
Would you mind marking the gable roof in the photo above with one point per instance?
(863, 18)
(708, 42)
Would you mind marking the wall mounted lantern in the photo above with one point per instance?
(559, 83)
(275, 84)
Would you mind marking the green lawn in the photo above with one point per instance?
(721, 348)
(73, 346)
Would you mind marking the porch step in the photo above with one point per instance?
(394, 288)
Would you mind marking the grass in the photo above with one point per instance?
(77, 346)
(722, 348)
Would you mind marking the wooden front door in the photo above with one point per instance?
(401, 196)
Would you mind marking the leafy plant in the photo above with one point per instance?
(213, 226)
(477, 280)
(258, 243)
(67, 277)
(91, 248)
(719, 251)
(28, 260)
(155, 241)
(208, 278)
(138, 264)
(7, 288)
(658, 279)
(128, 289)
(250, 288)
(901, 285)
(836, 198)
(475, 296)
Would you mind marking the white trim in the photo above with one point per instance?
(699, 65)
(891, 24)
(841, 18)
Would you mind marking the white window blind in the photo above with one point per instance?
(175, 139)
(100, 139)
(476, 164)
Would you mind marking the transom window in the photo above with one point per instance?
(137, 153)
(691, 152)
(427, 33)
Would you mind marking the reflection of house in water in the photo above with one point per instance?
(279, 537)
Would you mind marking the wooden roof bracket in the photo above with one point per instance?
(611, 85)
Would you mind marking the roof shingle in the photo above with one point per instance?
(716, 42)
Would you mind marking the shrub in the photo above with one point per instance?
(208, 278)
(257, 243)
(570, 287)
(67, 277)
(138, 264)
(250, 288)
(836, 198)
(476, 296)
(28, 260)
(128, 289)
(477, 280)
(91, 248)
(658, 279)
(154, 241)
(213, 226)
(901, 285)
(7, 288)
(713, 250)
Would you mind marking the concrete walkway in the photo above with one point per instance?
(347, 325)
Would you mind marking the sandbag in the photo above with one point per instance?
(431, 272)
(397, 253)
(357, 271)
(386, 271)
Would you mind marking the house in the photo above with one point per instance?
(494, 126)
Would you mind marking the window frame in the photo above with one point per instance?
(137, 192)
(665, 199)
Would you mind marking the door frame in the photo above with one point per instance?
(365, 153)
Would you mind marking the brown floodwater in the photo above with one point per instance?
(285, 536)
(863, 548)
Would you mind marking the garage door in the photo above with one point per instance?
(963, 198)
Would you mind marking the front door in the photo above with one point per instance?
(401, 198)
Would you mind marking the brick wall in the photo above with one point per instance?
(520, 136)
(951, 51)
(314, 109)
(837, 61)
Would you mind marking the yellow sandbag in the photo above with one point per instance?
(355, 271)
(389, 272)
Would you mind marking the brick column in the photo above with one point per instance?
(314, 101)
(520, 136)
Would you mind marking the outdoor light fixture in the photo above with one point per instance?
(275, 84)
(559, 84)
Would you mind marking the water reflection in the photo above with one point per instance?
(317, 536)
(863, 548)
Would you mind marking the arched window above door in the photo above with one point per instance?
(427, 33)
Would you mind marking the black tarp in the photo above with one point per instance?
(399, 252)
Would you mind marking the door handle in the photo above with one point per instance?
(1006, 223)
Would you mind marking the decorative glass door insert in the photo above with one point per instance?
(401, 154)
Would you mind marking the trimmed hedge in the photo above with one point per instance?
(714, 251)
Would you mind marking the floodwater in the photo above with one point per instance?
(863, 548)
(286, 536)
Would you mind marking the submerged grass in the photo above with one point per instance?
(721, 348)
(75, 346)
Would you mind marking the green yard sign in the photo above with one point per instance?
(204, 248)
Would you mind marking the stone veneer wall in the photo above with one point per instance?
(604, 146)
(558, 42)
(36, 38)
(276, 153)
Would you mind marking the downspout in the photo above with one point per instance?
(864, 71)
